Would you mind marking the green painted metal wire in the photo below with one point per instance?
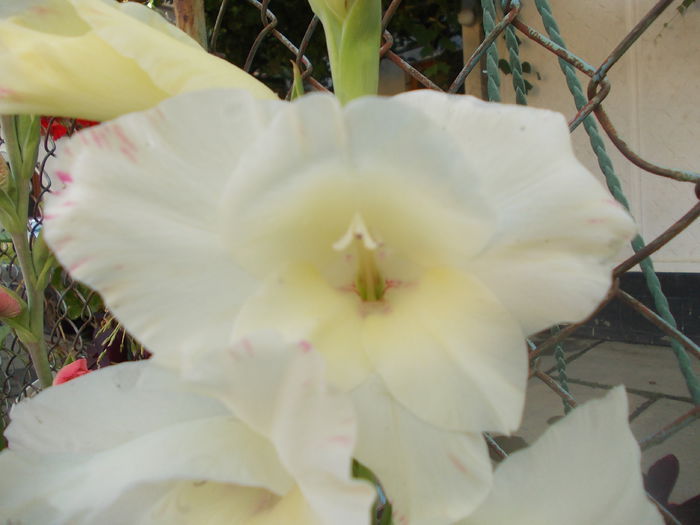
(516, 66)
(562, 377)
(492, 74)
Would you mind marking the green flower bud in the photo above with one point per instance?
(10, 305)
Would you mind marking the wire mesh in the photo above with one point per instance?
(75, 315)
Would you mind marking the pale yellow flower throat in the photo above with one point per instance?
(369, 283)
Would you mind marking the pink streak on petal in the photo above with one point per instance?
(61, 243)
(64, 176)
(41, 10)
(78, 264)
(393, 283)
(305, 345)
(123, 138)
(342, 440)
(248, 347)
(613, 202)
(7, 92)
(68, 204)
(129, 154)
(458, 464)
(98, 138)
(49, 217)
(401, 519)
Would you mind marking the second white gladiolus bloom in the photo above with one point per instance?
(250, 436)
(414, 241)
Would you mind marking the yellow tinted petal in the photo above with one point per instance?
(96, 60)
(450, 353)
(301, 305)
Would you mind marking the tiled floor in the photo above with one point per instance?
(657, 396)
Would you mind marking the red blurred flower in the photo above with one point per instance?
(76, 369)
(58, 127)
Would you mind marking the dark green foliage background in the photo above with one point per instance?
(429, 27)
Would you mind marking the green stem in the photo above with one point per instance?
(35, 305)
(352, 39)
(22, 165)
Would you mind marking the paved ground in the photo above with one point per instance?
(656, 391)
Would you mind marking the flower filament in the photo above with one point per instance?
(369, 283)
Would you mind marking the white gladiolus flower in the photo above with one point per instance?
(249, 436)
(97, 59)
(414, 241)
(583, 470)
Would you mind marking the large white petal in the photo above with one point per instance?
(219, 450)
(104, 409)
(450, 353)
(138, 222)
(585, 469)
(557, 228)
(402, 173)
(76, 448)
(280, 390)
(431, 476)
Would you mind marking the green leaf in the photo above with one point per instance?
(385, 515)
(298, 84)
(5, 330)
(28, 133)
(43, 259)
(21, 323)
(527, 68)
(22, 137)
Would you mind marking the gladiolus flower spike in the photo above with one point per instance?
(392, 234)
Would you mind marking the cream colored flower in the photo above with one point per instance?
(583, 470)
(98, 59)
(414, 241)
(250, 436)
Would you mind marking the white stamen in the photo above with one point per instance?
(357, 230)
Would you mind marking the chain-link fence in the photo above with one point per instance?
(77, 324)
